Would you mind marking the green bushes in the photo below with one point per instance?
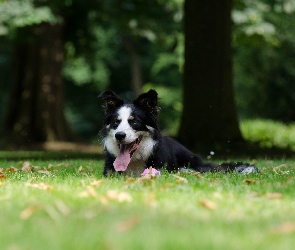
(269, 133)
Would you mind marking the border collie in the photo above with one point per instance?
(133, 141)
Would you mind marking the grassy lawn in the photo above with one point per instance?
(61, 202)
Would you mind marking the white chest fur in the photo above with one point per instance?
(144, 150)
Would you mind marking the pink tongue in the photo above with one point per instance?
(123, 159)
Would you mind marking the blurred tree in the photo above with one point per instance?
(264, 59)
(132, 29)
(5, 75)
(42, 29)
(101, 38)
(35, 109)
(209, 115)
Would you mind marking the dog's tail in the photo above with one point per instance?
(239, 167)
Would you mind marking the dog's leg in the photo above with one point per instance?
(108, 167)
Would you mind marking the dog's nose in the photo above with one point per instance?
(120, 136)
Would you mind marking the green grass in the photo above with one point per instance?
(67, 204)
(269, 134)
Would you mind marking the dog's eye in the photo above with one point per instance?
(117, 121)
(133, 121)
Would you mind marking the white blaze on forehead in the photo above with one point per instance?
(124, 113)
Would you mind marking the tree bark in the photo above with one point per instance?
(36, 106)
(209, 116)
(135, 65)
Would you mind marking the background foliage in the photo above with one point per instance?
(95, 57)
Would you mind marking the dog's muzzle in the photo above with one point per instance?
(120, 136)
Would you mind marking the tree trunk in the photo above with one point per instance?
(209, 116)
(36, 106)
(135, 66)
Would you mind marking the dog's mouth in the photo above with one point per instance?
(126, 152)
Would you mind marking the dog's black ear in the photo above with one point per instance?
(148, 102)
(112, 101)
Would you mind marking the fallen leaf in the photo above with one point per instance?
(90, 192)
(84, 194)
(44, 172)
(250, 181)
(217, 195)
(118, 196)
(127, 225)
(52, 212)
(198, 175)
(112, 194)
(144, 178)
(80, 169)
(1, 184)
(64, 164)
(12, 169)
(208, 204)
(253, 195)
(284, 228)
(40, 185)
(28, 167)
(28, 212)
(2, 176)
(96, 183)
(274, 195)
(103, 200)
(62, 207)
(279, 167)
(180, 180)
(124, 197)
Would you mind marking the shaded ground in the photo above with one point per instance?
(62, 150)
(53, 150)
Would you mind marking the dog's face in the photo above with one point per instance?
(128, 127)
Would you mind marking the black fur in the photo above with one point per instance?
(167, 153)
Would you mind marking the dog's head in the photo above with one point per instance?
(128, 126)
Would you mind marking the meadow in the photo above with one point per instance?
(62, 201)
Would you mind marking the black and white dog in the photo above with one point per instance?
(133, 142)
